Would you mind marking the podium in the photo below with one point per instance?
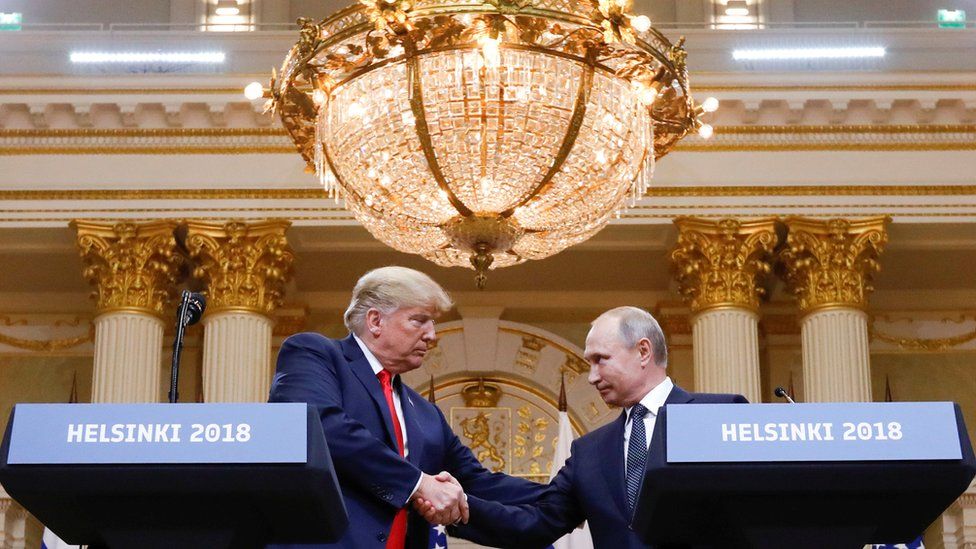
(766, 475)
(174, 475)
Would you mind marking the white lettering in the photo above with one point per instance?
(74, 432)
(91, 432)
(728, 432)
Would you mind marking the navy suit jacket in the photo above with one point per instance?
(376, 481)
(590, 486)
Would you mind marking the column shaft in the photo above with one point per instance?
(836, 362)
(236, 357)
(128, 351)
(726, 345)
(245, 266)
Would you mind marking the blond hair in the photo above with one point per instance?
(390, 288)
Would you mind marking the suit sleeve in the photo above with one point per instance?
(554, 513)
(307, 373)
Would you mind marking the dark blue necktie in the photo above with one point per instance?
(636, 453)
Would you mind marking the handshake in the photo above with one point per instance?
(440, 499)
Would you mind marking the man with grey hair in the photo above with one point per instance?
(390, 447)
(600, 481)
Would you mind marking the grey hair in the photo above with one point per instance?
(636, 324)
(390, 288)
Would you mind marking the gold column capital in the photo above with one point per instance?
(245, 265)
(133, 266)
(830, 262)
(719, 263)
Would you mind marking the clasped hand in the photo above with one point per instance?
(440, 499)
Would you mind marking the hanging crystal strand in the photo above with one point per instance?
(319, 160)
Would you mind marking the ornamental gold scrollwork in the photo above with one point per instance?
(830, 263)
(923, 344)
(245, 265)
(131, 266)
(44, 345)
(719, 263)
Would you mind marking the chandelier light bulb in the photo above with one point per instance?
(648, 96)
(641, 23)
(710, 105)
(254, 90)
(601, 156)
(489, 50)
(318, 97)
(706, 131)
(356, 110)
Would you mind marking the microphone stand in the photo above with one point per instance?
(182, 314)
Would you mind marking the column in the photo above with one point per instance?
(956, 529)
(828, 266)
(719, 266)
(245, 267)
(134, 269)
(18, 528)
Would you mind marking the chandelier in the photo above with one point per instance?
(484, 133)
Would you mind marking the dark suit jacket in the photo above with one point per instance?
(335, 376)
(590, 486)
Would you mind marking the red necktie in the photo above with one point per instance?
(398, 533)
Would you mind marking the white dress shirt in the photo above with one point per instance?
(374, 363)
(653, 402)
(377, 367)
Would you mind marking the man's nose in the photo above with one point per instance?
(430, 335)
(593, 377)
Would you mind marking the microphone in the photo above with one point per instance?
(188, 313)
(195, 305)
(781, 393)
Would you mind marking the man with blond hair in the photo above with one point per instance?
(390, 447)
(600, 481)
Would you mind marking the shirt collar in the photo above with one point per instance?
(374, 363)
(656, 397)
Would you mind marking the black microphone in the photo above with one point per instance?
(188, 313)
(781, 393)
(196, 304)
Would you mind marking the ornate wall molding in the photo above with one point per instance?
(245, 265)
(830, 263)
(132, 266)
(720, 263)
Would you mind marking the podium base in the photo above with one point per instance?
(184, 539)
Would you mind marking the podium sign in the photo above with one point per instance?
(158, 476)
(862, 431)
(804, 476)
(158, 433)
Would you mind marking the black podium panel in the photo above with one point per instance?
(794, 504)
(184, 505)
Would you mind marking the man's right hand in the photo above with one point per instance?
(440, 499)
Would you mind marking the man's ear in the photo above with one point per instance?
(374, 322)
(646, 352)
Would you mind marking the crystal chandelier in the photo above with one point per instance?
(485, 133)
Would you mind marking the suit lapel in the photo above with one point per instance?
(415, 438)
(614, 474)
(364, 373)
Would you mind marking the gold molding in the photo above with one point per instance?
(923, 344)
(838, 87)
(44, 345)
(845, 129)
(800, 147)
(245, 265)
(130, 265)
(653, 191)
(830, 263)
(121, 91)
(144, 132)
(720, 263)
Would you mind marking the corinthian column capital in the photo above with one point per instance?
(132, 266)
(830, 263)
(719, 263)
(245, 265)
